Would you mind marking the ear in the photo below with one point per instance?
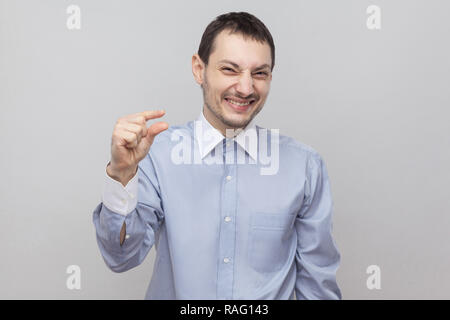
(198, 68)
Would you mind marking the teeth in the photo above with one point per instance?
(239, 104)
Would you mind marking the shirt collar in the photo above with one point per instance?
(210, 137)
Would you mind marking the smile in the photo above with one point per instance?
(239, 105)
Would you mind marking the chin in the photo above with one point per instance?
(237, 122)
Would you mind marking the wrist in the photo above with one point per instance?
(122, 175)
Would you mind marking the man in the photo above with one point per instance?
(223, 227)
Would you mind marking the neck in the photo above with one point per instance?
(215, 122)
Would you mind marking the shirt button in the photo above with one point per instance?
(228, 178)
(226, 260)
(127, 236)
(227, 219)
(124, 201)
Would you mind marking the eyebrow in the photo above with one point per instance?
(237, 66)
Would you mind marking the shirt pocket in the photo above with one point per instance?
(270, 240)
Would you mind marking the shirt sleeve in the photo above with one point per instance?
(138, 205)
(317, 257)
(118, 198)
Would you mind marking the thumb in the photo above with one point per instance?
(155, 129)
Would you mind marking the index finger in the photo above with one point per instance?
(152, 114)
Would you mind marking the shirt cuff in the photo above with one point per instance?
(118, 198)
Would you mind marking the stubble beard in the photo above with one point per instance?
(216, 109)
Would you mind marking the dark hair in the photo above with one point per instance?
(242, 23)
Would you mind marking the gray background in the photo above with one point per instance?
(375, 104)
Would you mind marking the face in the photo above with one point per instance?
(236, 81)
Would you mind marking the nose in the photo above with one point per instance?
(244, 87)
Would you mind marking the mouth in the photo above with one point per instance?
(240, 106)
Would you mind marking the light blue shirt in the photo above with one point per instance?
(229, 218)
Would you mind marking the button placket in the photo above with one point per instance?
(227, 229)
